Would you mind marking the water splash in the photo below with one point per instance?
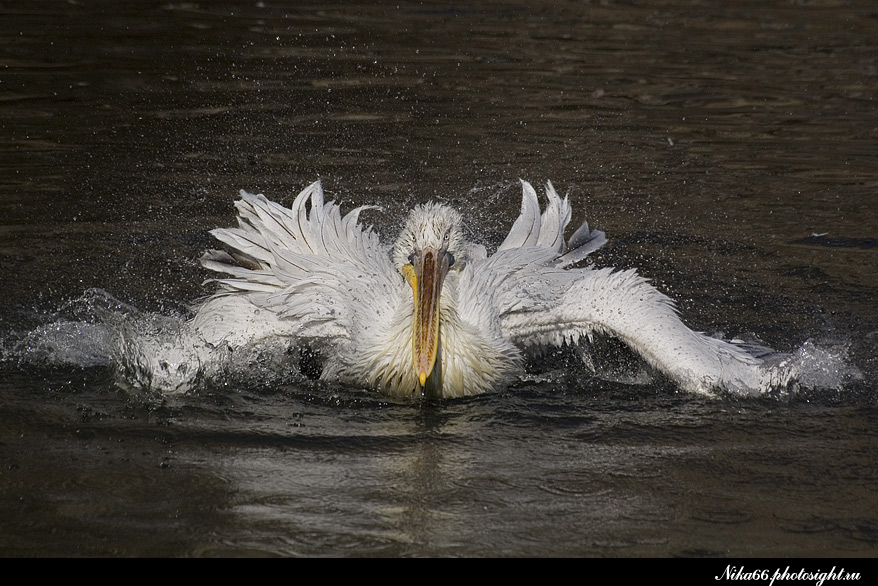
(815, 365)
(156, 352)
(146, 350)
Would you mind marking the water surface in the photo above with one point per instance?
(729, 152)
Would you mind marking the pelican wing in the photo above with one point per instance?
(526, 229)
(295, 272)
(527, 296)
(624, 305)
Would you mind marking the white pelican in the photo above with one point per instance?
(435, 315)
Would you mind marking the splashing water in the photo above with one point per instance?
(814, 365)
(162, 353)
(146, 350)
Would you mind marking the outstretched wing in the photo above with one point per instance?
(624, 305)
(295, 272)
(538, 303)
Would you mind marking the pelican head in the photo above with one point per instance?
(431, 243)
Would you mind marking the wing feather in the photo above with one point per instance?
(554, 220)
(526, 229)
(547, 230)
(316, 273)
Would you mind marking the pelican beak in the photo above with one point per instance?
(425, 275)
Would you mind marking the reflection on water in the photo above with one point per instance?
(728, 152)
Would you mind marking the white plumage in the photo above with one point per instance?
(308, 275)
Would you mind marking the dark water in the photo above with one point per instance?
(729, 150)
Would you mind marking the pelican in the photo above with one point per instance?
(434, 315)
